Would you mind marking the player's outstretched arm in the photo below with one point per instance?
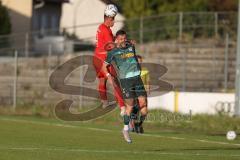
(106, 73)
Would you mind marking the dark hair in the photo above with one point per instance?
(106, 17)
(120, 32)
(138, 56)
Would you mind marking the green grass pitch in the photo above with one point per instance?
(28, 138)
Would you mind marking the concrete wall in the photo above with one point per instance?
(84, 12)
(196, 102)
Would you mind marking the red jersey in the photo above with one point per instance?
(104, 35)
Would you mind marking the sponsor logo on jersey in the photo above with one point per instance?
(127, 55)
(130, 49)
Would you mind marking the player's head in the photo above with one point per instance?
(140, 59)
(121, 37)
(109, 21)
(109, 14)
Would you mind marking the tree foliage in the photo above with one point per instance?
(138, 8)
(223, 5)
(5, 25)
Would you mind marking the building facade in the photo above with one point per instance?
(35, 22)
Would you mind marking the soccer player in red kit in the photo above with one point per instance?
(104, 36)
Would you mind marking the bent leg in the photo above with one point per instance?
(102, 89)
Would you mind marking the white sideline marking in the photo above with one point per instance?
(54, 124)
(197, 140)
(107, 130)
(117, 151)
(159, 136)
(99, 129)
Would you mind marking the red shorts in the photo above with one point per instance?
(98, 60)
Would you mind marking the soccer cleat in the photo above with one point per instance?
(106, 104)
(140, 129)
(136, 127)
(126, 136)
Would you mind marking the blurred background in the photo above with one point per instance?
(195, 39)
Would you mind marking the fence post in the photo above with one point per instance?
(81, 83)
(184, 71)
(26, 45)
(237, 78)
(214, 63)
(180, 25)
(49, 58)
(226, 63)
(216, 24)
(141, 31)
(15, 79)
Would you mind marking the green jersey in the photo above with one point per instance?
(125, 61)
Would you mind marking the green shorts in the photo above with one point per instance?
(132, 87)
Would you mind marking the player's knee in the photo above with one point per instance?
(128, 111)
(144, 111)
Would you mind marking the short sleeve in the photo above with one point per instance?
(109, 57)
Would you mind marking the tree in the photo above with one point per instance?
(223, 5)
(5, 26)
(137, 8)
(166, 26)
(182, 6)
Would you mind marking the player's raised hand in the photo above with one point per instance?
(133, 42)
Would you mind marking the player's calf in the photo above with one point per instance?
(144, 112)
(134, 118)
(125, 131)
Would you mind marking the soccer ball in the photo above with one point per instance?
(111, 10)
(231, 135)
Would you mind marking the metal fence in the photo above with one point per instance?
(197, 48)
(183, 25)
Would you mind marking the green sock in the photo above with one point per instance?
(126, 119)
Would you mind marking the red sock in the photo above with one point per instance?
(102, 89)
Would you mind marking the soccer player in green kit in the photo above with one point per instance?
(124, 58)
